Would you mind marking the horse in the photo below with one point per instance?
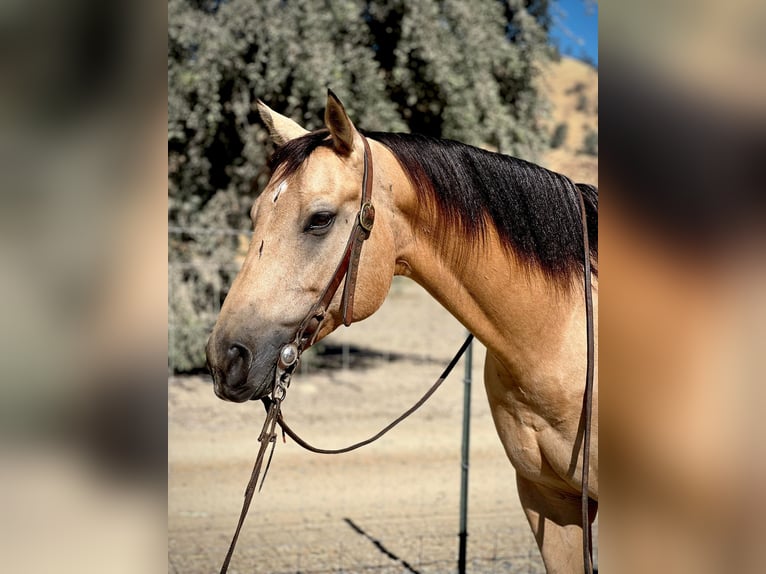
(498, 241)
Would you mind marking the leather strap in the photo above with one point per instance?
(427, 395)
(587, 407)
(348, 266)
(363, 227)
(268, 436)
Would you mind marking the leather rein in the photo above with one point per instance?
(305, 336)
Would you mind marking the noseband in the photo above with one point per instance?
(290, 354)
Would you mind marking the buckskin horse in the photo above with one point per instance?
(498, 241)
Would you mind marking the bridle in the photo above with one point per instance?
(348, 268)
(305, 336)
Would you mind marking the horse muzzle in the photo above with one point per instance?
(238, 374)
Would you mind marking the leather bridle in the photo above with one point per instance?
(305, 336)
(347, 268)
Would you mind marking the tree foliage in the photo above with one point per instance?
(448, 68)
(590, 143)
(559, 135)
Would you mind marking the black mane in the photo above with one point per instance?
(535, 211)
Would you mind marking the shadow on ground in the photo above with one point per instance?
(379, 545)
(334, 356)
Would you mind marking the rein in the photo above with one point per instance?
(587, 402)
(290, 354)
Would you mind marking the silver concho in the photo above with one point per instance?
(288, 355)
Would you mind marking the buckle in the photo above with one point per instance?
(367, 216)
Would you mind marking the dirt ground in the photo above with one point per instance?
(390, 507)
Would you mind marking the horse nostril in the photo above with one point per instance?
(238, 358)
(238, 351)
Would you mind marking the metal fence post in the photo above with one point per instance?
(464, 457)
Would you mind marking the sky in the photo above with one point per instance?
(575, 28)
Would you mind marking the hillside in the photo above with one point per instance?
(572, 88)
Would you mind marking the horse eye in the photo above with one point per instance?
(320, 221)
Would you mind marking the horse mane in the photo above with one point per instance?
(535, 211)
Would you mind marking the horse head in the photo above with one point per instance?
(301, 225)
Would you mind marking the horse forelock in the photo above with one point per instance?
(290, 157)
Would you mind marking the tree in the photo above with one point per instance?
(590, 143)
(448, 68)
(559, 135)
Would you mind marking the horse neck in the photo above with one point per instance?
(514, 311)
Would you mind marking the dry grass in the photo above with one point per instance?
(572, 88)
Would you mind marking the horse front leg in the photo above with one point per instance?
(555, 518)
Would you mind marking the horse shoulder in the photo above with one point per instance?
(538, 428)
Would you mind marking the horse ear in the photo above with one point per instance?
(281, 128)
(337, 121)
